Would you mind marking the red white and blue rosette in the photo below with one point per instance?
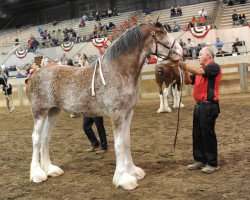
(21, 53)
(67, 46)
(200, 31)
(99, 42)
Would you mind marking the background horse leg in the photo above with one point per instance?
(122, 141)
(166, 94)
(36, 173)
(51, 170)
(177, 96)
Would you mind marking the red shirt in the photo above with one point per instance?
(206, 87)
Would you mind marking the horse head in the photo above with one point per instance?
(164, 44)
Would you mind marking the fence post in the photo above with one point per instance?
(243, 69)
(20, 92)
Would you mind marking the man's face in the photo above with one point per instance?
(202, 57)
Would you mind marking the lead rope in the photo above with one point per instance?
(178, 116)
(93, 77)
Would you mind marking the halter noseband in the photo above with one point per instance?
(171, 51)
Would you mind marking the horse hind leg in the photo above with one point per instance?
(47, 166)
(36, 172)
(125, 172)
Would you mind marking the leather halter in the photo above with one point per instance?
(171, 51)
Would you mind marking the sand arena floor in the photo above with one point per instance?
(89, 176)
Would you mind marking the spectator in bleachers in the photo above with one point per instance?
(235, 18)
(33, 43)
(218, 43)
(19, 74)
(222, 53)
(242, 1)
(191, 48)
(81, 23)
(148, 10)
(41, 31)
(54, 23)
(110, 12)
(176, 27)
(115, 11)
(198, 48)
(203, 12)
(111, 25)
(16, 41)
(70, 62)
(83, 61)
(201, 21)
(235, 52)
(84, 17)
(167, 27)
(97, 16)
(55, 40)
(242, 19)
(192, 22)
(183, 44)
(230, 3)
(237, 43)
(178, 11)
(172, 12)
(151, 59)
(186, 54)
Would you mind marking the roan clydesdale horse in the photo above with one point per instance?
(112, 90)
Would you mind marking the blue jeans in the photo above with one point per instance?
(87, 127)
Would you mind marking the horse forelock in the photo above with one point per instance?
(126, 42)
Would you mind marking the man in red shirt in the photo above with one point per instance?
(205, 80)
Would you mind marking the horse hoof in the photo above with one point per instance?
(126, 181)
(54, 171)
(37, 175)
(182, 105)
(160, 111)
(138, 173)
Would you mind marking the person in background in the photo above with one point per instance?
(206, 81)
(222, 53)
(178, 11)
(7, 89)
(218, 43)
(172, 12)
(176, 27)
(99, 147)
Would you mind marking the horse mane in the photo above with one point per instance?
(126, 42)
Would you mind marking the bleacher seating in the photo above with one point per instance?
(227, 11)
(187, 13)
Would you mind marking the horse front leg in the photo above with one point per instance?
(132, 169)
(36, 172)
(161, 108)
(124, 174)
(50, 169)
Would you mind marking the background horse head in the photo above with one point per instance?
(171, 77)
(115, 82)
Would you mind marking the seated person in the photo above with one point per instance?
(176, 27)
(172, 12)
(192, 22)
(235, 51)
(222, 53)
(218, 43)
(148, 10)
(203, 13)
(167, 27)
(230, 3)
(235, 18)
(111, 25)
(242, 19)
(151, 59)
(238, 43)
(178, 11)
(201, 21)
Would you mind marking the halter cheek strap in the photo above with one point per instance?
(156, 48)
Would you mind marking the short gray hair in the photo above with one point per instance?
(209, 51)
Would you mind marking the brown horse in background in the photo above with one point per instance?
(170, 76)
(107, 87)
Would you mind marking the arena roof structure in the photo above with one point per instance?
(13, 7)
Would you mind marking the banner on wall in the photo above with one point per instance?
(21, 53)
(200, 31)
(100, 44)
(67, 46)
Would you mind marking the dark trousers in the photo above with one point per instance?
(204, 137)
(87, 127)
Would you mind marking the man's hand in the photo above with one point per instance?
(180, 64)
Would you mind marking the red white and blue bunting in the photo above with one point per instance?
(99, 42)
(21, 53)
(200, 31)
(67, 46)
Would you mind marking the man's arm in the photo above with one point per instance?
(194, 70)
